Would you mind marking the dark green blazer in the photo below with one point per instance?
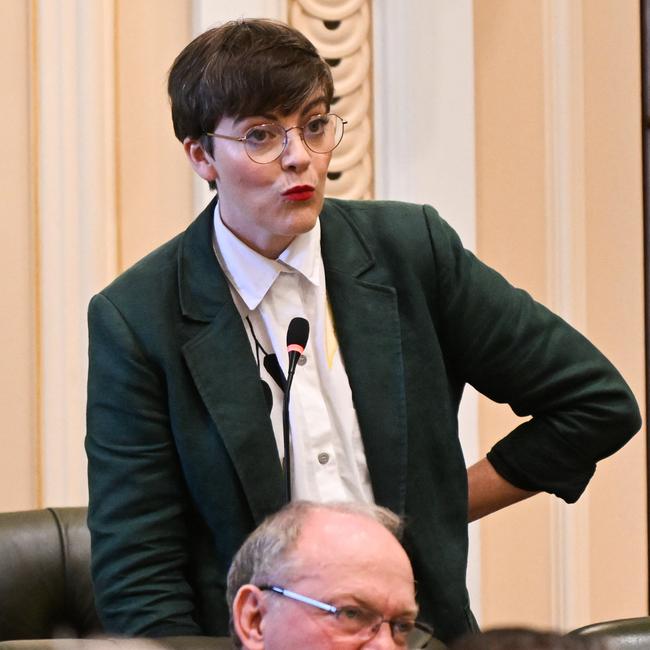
(183, 463)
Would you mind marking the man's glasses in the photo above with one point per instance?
(363, 623)
(265, 143)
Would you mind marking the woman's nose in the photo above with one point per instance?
(295, 154)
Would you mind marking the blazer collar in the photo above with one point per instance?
(203, 288)
(343, 247)
(367, 321)
(202, 285)
(219, 358)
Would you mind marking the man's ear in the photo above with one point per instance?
(201, 161)
(248, 610)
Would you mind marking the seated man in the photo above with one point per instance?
(325, 576)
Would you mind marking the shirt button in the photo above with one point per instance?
(302, 360)
(323, 458)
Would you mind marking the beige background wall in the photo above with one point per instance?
(92, 179)
(154, 180)
(527, 88)
(540, 563)
(18, 396)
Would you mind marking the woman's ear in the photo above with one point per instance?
(201, 161)
(248, 611)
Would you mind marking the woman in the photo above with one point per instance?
(185, 443)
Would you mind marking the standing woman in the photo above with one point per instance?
(185, 439)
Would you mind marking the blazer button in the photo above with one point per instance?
(323, 458)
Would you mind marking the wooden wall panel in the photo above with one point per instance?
(18, 370)
(618, 553)
(542, 67)
(511, 235)
(153, 176)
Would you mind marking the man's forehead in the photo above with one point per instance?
(323, 523)
(340, 539)
(352, 559)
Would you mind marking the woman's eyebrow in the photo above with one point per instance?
(267, 117)
(273, 117)
(313, 103)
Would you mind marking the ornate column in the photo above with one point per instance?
(341, 30)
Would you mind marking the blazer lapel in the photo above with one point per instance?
(219, 358)
(367, 324)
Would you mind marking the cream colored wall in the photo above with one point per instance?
(618, 554)
(18, 374)
(542, 563)
(115, 185)
(155, 181)
(511, 237)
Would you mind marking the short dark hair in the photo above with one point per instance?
(243, 67)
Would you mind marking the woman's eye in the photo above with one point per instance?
(317, 126)
(258, 136)
(262, 135)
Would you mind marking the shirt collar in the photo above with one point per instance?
(252, 274)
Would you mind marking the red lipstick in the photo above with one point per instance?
(299, 193)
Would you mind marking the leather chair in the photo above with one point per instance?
(45, 585)
(46, 595)
(621, 634)
(114, 643)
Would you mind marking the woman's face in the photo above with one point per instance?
(267, 205)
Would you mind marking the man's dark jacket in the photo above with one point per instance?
(183, 462)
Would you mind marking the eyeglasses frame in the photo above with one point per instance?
(242, 138)
(333, 609)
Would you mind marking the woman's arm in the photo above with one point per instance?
(489, 492)
(137, 497)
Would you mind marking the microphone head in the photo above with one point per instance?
(297, 334)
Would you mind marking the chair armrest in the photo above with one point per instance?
(118, 643)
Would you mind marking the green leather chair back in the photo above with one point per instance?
(45, 584)
(622, 634)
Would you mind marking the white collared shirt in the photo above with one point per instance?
(328, 458)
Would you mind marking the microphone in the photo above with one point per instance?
(297, 335)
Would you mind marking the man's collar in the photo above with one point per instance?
(252, 274)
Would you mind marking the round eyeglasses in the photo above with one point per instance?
(363, 623)
(265, 143)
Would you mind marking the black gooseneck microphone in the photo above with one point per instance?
(297, 335)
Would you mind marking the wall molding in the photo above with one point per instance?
(76, 220)
(566, 273)
(424, 144)
(342, 34)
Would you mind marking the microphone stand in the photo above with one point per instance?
(297, 335)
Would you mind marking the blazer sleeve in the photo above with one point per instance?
(514, 350)
(137, 495)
